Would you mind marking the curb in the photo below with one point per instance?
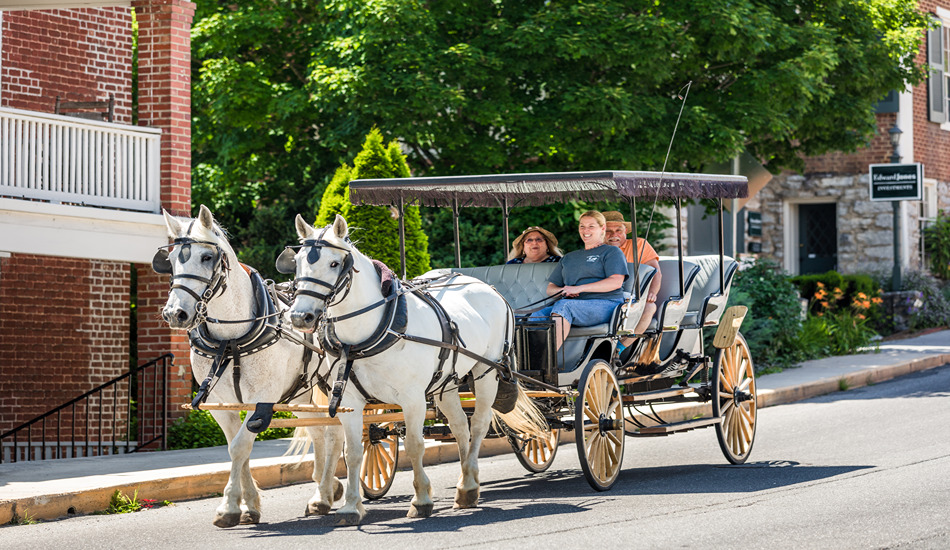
(289, 470)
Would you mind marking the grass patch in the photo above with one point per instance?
(122, 504)
(843, 385)
(25, 519)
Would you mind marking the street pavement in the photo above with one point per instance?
(58, 488)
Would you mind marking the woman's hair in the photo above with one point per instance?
(601, 220)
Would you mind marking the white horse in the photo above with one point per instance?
(208, 284)
(338, 287)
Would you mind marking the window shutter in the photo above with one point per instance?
(936, 88)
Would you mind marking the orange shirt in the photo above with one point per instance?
(645, 251)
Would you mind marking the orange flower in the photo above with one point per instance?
(860, 316)
(877, 300)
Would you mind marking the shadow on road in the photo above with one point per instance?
(541, 495)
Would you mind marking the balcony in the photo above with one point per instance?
(78, 188)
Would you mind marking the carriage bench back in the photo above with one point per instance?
(671, 307)
(524, 284)
(707, 305)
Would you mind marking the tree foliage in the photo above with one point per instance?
(285, 91)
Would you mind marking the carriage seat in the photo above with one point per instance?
(707, 304)
(519, 284)
(671, 307)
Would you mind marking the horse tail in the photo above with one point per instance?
(525, 418)
(300, 444)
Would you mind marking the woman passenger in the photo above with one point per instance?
(534, 245)
(590, 280)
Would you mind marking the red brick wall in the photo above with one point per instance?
(931, 143)
(64, 329)
(78, 54)
(165, 91)
(878, 151)
(155, 338)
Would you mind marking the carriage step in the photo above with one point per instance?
(634, 378)
(675, 427)
(646, 397)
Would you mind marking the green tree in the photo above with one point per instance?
(375, 229)
(284, 91)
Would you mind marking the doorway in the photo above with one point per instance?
(817, 238)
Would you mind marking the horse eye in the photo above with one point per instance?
(334, 263)
(206, 257)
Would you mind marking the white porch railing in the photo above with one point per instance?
(63, 159)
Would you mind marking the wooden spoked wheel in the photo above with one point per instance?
(598, 425)
(734, 400)
(536, 453)
(380, 457)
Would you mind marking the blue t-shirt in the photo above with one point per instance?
(587, 266)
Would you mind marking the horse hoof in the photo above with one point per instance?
(337, 490)
(250, 517)
(466, 499)
(318, 509)
(420, 510)
(348, 519)
(227, 520)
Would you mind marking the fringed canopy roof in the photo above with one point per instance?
(544, 188)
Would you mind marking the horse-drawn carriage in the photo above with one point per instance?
(448, 346)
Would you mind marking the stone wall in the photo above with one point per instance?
(865, 230)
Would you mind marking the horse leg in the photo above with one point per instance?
(240, 484)
(327, 446)
(352, 511)
(466, 491)
(421, 504)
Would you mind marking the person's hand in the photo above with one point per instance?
(571, 291)
(651, 296)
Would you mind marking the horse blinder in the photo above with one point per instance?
(286, 263)
(160, 262)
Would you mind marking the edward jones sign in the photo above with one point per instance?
(897, 182)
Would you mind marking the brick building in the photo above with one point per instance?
(824, 219)
(81, 198)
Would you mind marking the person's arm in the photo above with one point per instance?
(604, 285)
(553, 289)
(655, 283)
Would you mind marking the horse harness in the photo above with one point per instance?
(391, 328)
(260, 336)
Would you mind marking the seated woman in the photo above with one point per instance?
(534, 245)
(590, 280)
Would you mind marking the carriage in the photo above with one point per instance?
(587, 387)
(507, 363)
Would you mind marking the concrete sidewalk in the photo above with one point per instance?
(57, 488)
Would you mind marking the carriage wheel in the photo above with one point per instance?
(598, 425)
(536, 453)
(380, 457)
(734, 400)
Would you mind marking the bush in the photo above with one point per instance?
(773, 325)
(935, 310)
(937, 243)
(840, 292)
(375, 229)
(198, 429)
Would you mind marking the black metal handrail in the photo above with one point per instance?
(150, 418)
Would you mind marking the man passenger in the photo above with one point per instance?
(617, 230)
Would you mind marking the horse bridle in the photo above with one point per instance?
(216, 284)
(287, 264)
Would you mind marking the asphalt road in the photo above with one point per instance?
(865, 468)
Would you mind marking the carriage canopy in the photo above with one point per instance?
(534, 189)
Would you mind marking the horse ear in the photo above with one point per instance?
(304, 229)
(205, 218)
(174, 228)
(339, 227)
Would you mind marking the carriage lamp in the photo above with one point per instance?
(895, 136)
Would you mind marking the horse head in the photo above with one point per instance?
(197, 261)
(322, 265)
